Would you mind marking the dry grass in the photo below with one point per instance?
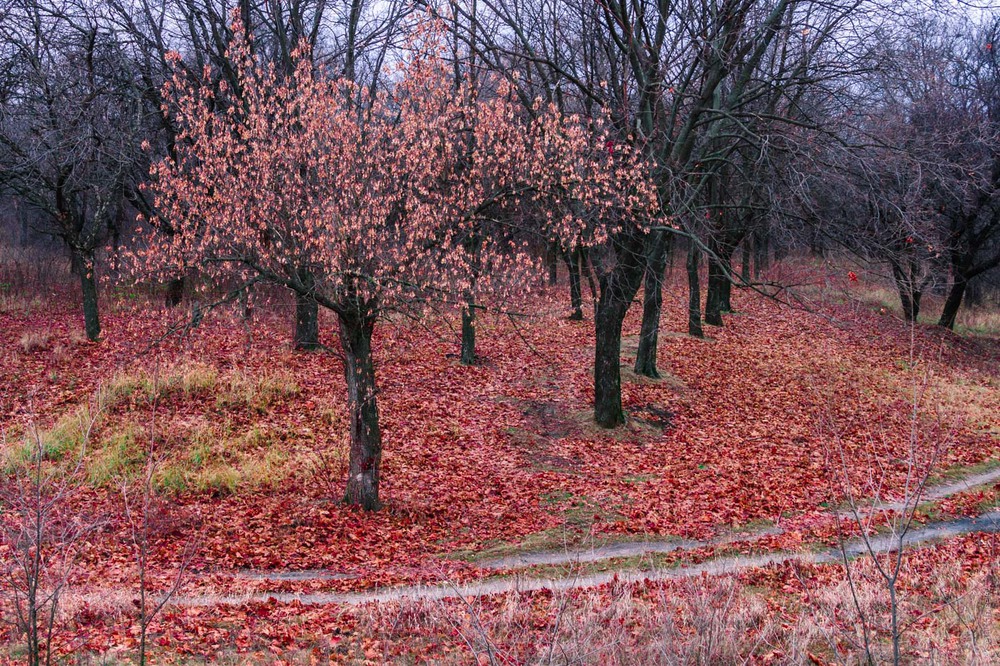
(975, 320)
(978, 403)
(955, 623)
(120, 456)
(210, 456)
(697, 621)
(706, 621)
(258, 392)
(218, 461)
(33, 341)
(18, 303)
(63, 442)
(185, 379)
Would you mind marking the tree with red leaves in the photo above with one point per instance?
(385, 198)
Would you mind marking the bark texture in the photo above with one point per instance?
(694, 293)
(356, 327)
(618, 288)
(652, 304)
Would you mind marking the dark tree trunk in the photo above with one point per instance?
(116, 239)
(952, 304)
(716, 297)
(552, 260)
(84, 265)
(652, 305)
(761, 252)
(727, 287)
(914, 306)
(694, 293)
(975, 293)
(618, 288)
(246, 305)
(780, 252)
(356, 326)
(175, 292)
(816, 248)
(587, 268)
(306, 335)
(572, 258)
(906, 303)
(745, 259)
(909, 295)
(469, 330)
(22, 215)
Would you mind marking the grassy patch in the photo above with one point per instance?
(217, 461)
(186, 380)
(259, 393)
(204, 458)
(579, 515)
(981, 320)
(963, 471)
(65, 440)
(119, 457)
(639, 478)
(977, 404)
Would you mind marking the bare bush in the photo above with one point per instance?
(41, 538)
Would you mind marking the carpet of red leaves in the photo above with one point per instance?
(748, 426)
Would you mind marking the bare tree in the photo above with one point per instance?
(43, 535)
(689, 83)
(69, 127)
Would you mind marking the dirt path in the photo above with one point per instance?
(989, 522)
(639, 548)
(939, 492)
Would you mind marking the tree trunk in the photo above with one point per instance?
(572, 259)
(84, 262)
(975, 293)
(909, 297)
(745, 259)
(816, 248)
(618, 289)
(952, 304)
(652, 305)
(175, 292)
(715, 298)
(726, 287)
(469, 330)
(780, 252)
(761, 251)
(552, 260)
(356, 326)
(22, 215)
(906, 303)
(306, 335)
(694, 293)
(587, 268)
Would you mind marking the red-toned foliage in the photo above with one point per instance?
(363, 200)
